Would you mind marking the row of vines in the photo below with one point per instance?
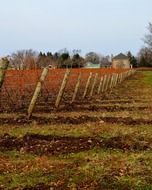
(19, 86)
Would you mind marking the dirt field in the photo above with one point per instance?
(103, 143)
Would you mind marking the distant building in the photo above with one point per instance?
(92, 65)
(121, 61)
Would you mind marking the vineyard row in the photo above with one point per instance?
(24, 90)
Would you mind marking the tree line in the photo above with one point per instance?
(30, 59)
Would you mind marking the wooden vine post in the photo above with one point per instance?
(37, 91)
(104, 83)
(111, 82)
(76, 87)
(87, 85)
(120, 78)
(123, 76)
(128, 73)
(62, 88)
(3, 67)
(107, 82)
(117, 78)
(100, 85)
(114, 79)
(94, 84)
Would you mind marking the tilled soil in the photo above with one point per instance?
(114, 108)
(40, 144)
(22, 121)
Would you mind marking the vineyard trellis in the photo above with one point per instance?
(23, 90)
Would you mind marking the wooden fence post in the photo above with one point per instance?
(107, 82)
(87, 85)
(124, 76)
(111, 82)
(104, 83)
(77, 86)
(62, 88)
(117, 79)
(114, 81)
(37, 91)
(3, 66)
(127, 74)
(94, 84)
(120, 77)
(100, 85)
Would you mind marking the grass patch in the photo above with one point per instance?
(25, 170)
(94, 169)
(84, 130)
(148, 77)
(113, 169)
(19, 180)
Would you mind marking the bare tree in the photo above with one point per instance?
(145, 53)
(145, 57)
(148, 37)
(76, 52)
(24, 59)
(105, 61)
(97, 58)
(92, 57)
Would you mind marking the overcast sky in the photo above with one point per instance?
(104, 26)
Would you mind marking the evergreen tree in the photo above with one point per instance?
(49, 54)
(40, 54)
(132, 59)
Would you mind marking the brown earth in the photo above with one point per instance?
(40, 145)
(21, 121)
